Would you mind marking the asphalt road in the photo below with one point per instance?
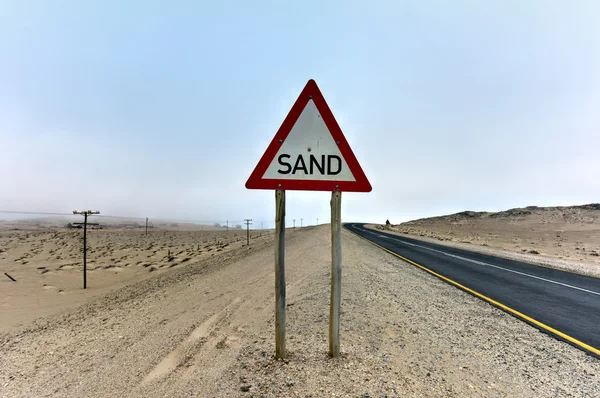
(566, 302)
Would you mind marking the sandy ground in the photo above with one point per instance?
(561, 237)
(48, 263)
(207, 330)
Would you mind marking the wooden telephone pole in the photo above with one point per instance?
(248, 222)
(85, 214)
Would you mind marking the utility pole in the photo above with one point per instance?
(248, 222)
(261, 225)
(85, 214)
(317, 221)
(146, 225)
(227, 225)
(294, 220)
(301, 222)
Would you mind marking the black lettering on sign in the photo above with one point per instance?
(314, 162)
(330, 169)
(331, 166)
(281, 162)
(300, 165)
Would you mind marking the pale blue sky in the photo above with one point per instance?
(162, 109)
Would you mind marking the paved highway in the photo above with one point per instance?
(561, 303)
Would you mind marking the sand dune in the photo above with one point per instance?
(48, 263)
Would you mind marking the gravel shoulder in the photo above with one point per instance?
(207, 330)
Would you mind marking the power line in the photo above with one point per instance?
(132, 218)
(34, 213)
(248, 222)
(85, 214)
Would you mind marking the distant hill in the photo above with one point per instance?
(584, 214)
(563, 233)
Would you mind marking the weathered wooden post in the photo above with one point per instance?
(280, 274)
(85, 215)
(336, 274)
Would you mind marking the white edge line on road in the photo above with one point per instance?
(478, 262)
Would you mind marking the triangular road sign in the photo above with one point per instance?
(309, 152)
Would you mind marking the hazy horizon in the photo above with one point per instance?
(140, 109)
(255, 224)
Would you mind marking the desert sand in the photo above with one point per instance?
(206, 329)
(560, 237)
(47, 262)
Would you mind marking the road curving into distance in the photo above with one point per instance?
(563, 304)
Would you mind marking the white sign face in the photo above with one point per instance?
(309, 152)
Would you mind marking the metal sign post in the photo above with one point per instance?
(309, 153)
(280, 274)
(336, 274)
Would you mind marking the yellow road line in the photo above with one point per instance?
(491, 301)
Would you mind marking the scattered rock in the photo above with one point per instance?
(222, 344)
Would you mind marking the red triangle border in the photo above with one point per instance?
(311, 90)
